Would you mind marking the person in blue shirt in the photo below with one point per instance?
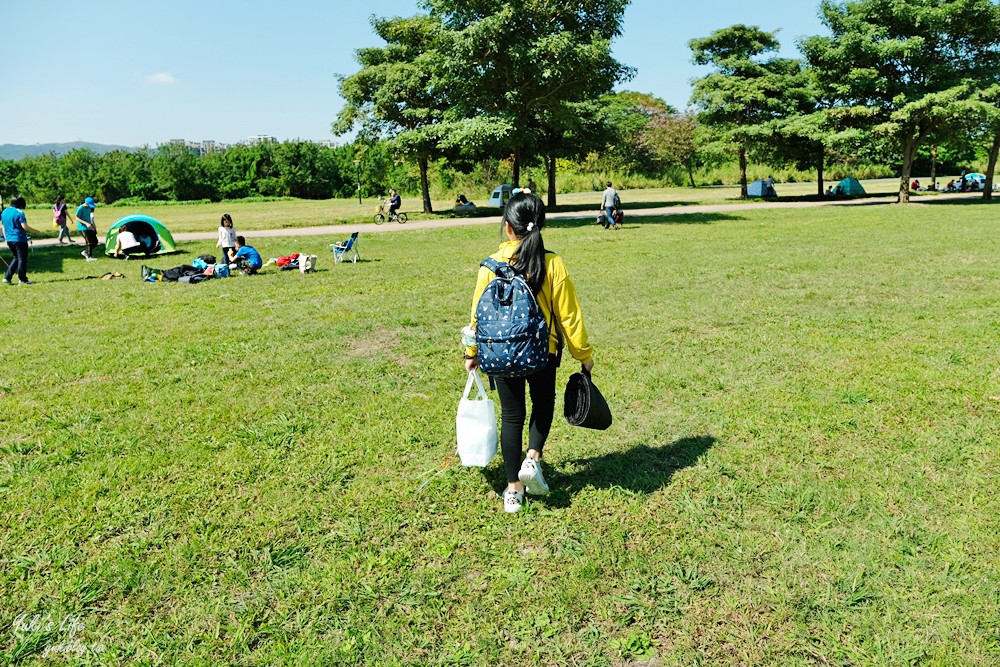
(16, 230)
(86, 224)
(246, 257)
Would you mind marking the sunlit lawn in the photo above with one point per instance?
(803, 468)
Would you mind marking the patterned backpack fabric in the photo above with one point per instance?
(511, 332)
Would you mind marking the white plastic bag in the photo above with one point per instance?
(476, 426)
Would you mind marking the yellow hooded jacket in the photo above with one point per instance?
(558, 290)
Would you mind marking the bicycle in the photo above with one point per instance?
(380, 214)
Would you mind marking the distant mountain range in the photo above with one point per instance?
(16, 151)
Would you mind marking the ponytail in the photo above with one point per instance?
(525, 213)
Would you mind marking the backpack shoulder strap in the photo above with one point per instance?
(502, 269)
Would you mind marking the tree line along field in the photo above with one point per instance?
(802, 469)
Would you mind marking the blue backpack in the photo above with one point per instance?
(511, 332)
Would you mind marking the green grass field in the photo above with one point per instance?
(803, 468)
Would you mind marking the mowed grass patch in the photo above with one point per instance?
(802, 468)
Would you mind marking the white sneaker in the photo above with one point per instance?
(91, 259)
(531, 476)
(84, 254)
(512, 501)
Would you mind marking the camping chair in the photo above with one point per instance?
(346, 249)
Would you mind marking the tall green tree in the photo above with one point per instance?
(8, 177)
(518, 71)
(122, 174)
(901, 69)
(627, 115)
(747, 92)
(38, 178)
(673, 138)
(76, 173)
(178, 174)
(393, 94)
(982, 118)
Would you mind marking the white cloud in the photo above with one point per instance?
(161, 78)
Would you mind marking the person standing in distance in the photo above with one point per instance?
(86, 225)
(16, 230)
(60, 216)
(609, 203)
(549, 280)
(227, 237)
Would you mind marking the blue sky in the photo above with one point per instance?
(139, 72)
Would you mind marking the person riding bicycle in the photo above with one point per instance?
(395, 201)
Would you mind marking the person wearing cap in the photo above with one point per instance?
(16, 230)
(86, 226)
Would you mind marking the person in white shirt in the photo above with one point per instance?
(610, 202)
(126, 243)
(227, 237)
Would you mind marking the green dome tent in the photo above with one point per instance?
(849, 187)
(150, 232)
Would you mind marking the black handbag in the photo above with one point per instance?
(584, 405)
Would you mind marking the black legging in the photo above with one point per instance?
(90, 239)
(542, 386)
(19, 262)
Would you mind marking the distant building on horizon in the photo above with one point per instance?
(208, 146)
(199, 147)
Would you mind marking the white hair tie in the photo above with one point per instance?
(531, 226)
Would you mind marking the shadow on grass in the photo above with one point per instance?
(634, 206)
(637, 221)
(55, 258)
(44, 259)
(964, 201)
(644, 469)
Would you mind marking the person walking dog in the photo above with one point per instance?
(16, 230)
(550, 283)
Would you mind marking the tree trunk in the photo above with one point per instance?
(425, 189)
(516, 178)
(819, 171)
(550, 172)
(933, 166)
(909, 150)
(690, 169)
(994, 152)
(743, 172)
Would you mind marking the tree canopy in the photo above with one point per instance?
(746, 93)
(393, 94)
(899, 70)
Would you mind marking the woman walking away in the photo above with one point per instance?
(227, 237)
(16, 230)
(60, 215)
(549, 281)
(87, 227)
